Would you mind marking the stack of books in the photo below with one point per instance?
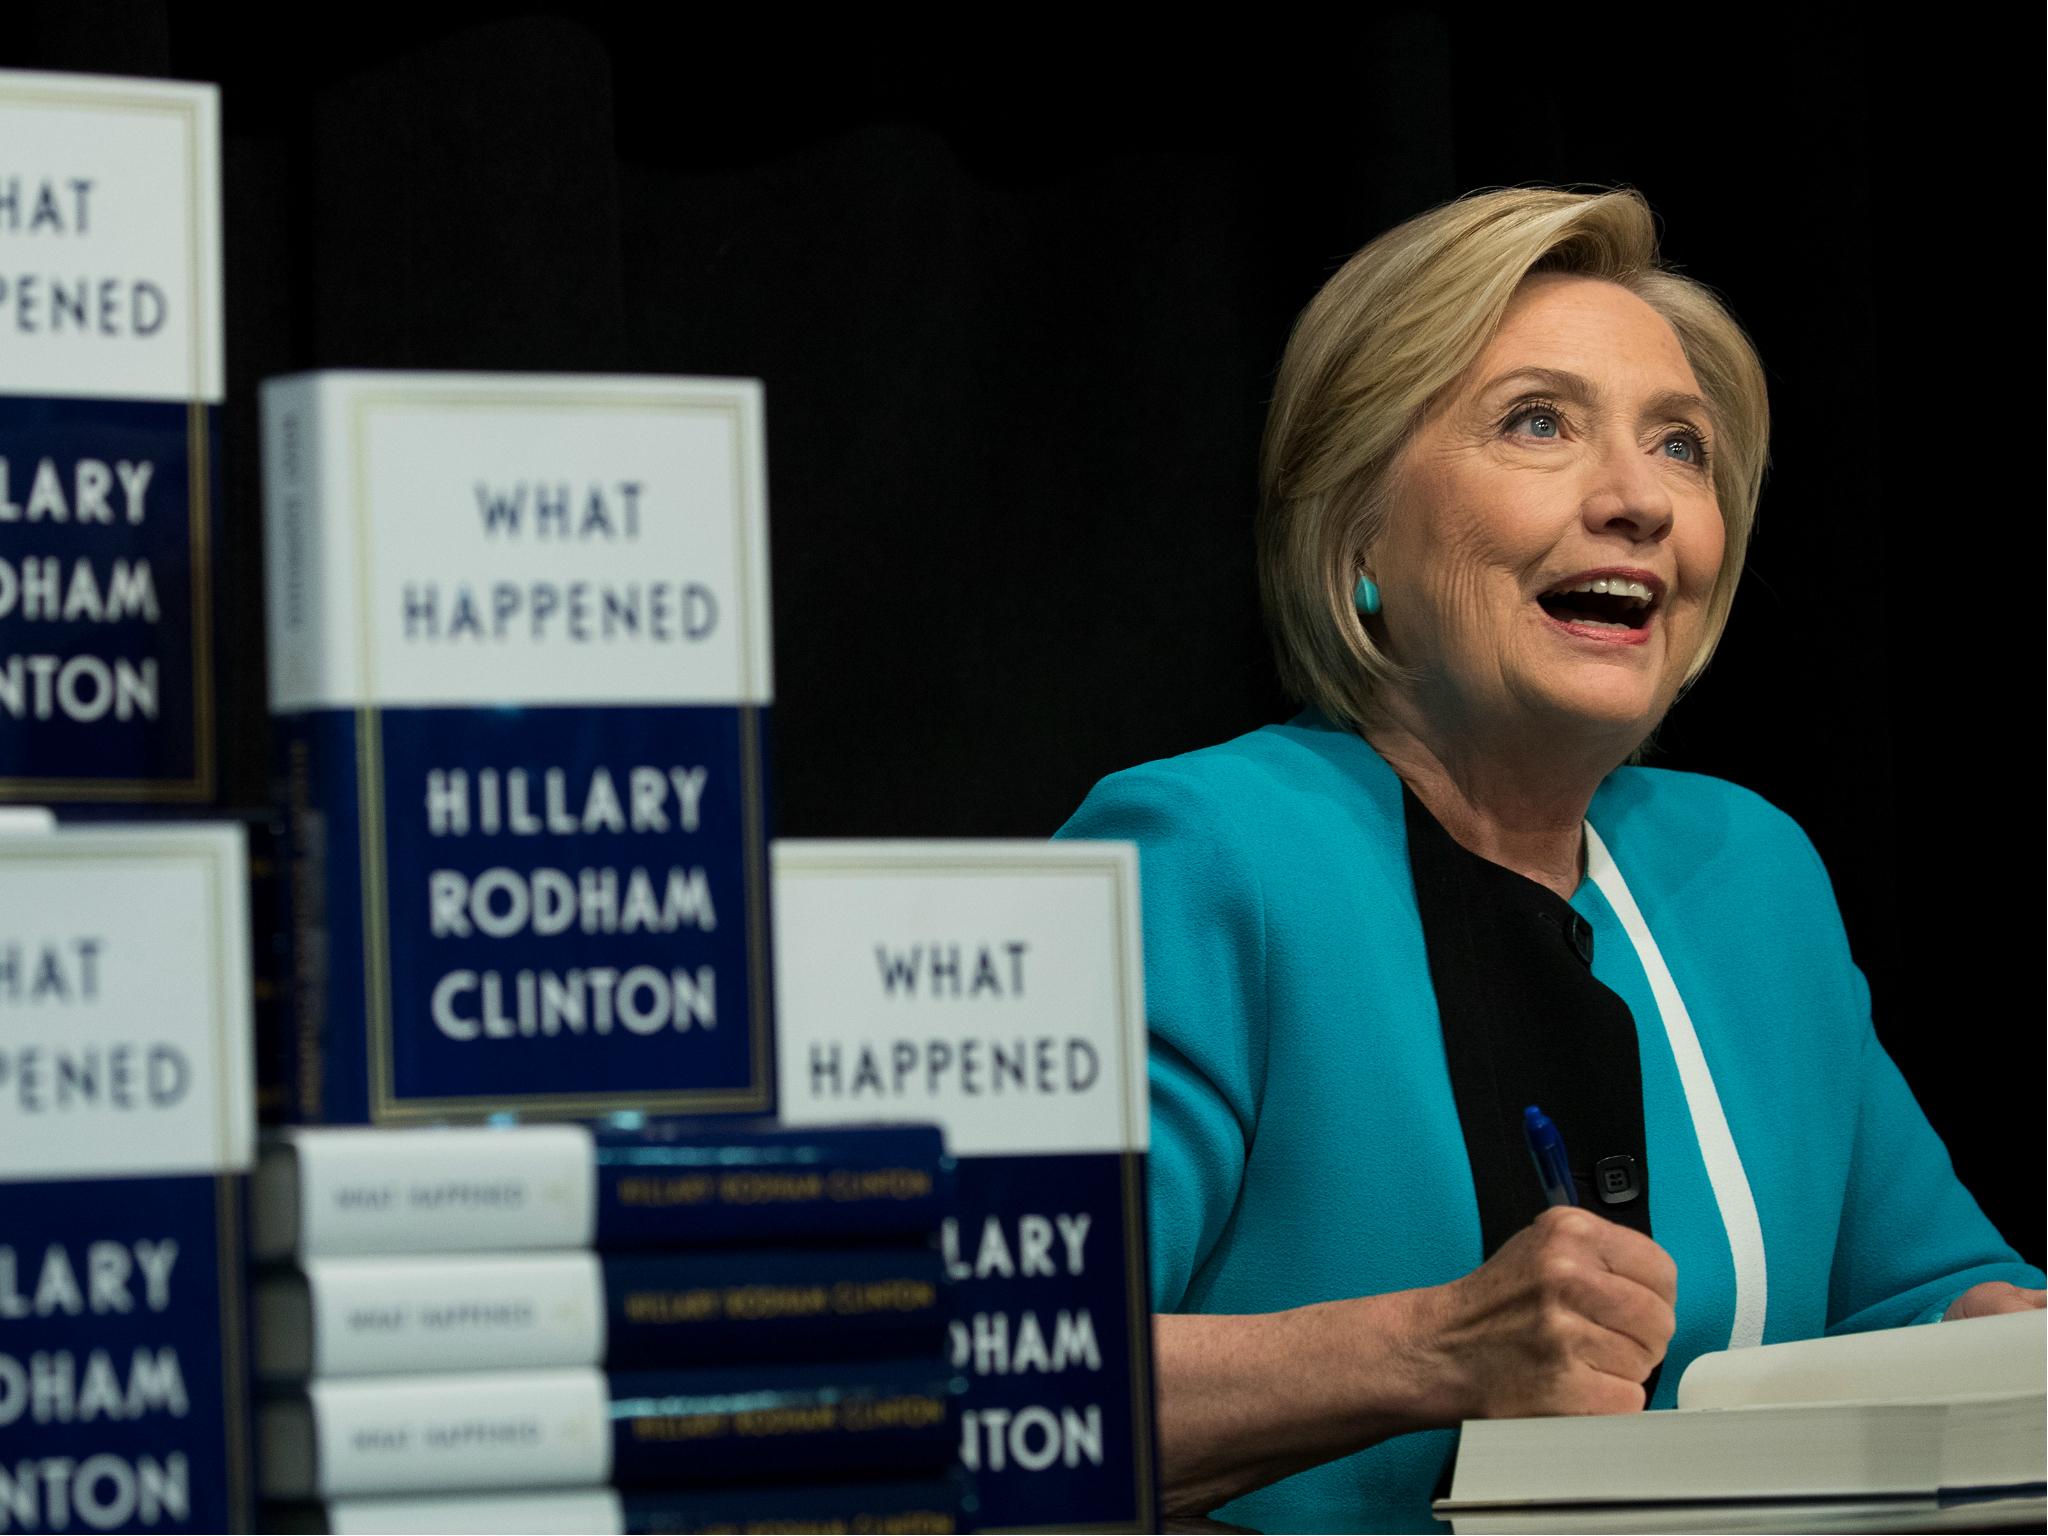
(665, 1325)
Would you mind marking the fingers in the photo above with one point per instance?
(1991, 1297)
(1597, 1391)
(1618, 1306)
(1570, 1316)
(1614, 1353)
(1623, 1250)
(1619, 1282)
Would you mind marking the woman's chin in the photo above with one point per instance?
(1603, 706)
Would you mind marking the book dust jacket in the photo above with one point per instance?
(997, 989)
(126, 1133)
(110, 399)
(520, 666)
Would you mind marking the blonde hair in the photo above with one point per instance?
(1375, 348)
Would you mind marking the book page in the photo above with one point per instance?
(1979, 1355)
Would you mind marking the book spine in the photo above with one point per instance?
(433, 1433)
(929, 1508)
(756, 1423)
(296, 517)
(424, 1191)
(373, 1317)
(321, 1056)
(565, 1429)
(467, 1189)
(668, 1181)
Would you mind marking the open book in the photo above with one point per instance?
(1927, 1412)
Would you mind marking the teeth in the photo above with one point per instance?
(1613, 587)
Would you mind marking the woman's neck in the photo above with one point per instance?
(1522, 809)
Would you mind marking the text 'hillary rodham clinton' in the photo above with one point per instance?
(969, 1065)
(505, 903)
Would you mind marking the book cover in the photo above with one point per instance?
(126, 1129)
(998, 989)
(574, 1428)
(528, 1311)
(520, 665)
(328, 1191)
(110, 397)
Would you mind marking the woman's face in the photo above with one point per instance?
(1573, 451)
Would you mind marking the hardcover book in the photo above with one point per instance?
(531, 1311)
(1954, 1410)
(110, 392)
(571, 1429)
(331, 1191)
(126, 1128)
(998, 989)
(520, 664)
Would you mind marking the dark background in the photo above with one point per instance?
(1018, 298)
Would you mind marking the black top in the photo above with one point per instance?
(1525, 1023)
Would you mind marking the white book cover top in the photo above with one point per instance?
(516, 539)
(110, 271)
(124, 992)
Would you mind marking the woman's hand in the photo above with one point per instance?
(1993, 1297)
(1569, 1316)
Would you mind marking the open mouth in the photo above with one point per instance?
(1617, 603)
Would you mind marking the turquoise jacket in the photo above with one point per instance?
(1305, 1142)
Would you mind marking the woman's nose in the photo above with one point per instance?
(1628, 496)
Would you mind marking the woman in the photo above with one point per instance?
(1510, 472)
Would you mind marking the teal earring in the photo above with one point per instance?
(1366, 596)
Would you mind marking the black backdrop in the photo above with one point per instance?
(1017, 299)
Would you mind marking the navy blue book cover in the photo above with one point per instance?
(1051, 1325)
(125, 1138)
(124, 1398)
(519, 650)
(110, 390)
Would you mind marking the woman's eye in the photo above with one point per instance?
(1695, 448)
(1540, 422)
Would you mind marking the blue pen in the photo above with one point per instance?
(1553, 1168)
